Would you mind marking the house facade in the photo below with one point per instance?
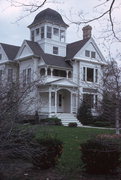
(64, 74)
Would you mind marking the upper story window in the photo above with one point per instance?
(49, 32)
(56, 31)
(93, 54)
(90, 74)
(42, 71)
(60, 73)
(0, 56)
(1, 73)
(29, 75)
(32, 35)
(10, 75)
(42, 32)
(62, 36)
(24, 77)
(55, 50)
(87, 53)
(37, 31)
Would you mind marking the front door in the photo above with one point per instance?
(60, 102)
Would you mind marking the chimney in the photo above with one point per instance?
(87, 32)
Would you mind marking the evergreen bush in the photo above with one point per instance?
(101, 155)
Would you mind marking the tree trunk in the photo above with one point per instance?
(117, 120)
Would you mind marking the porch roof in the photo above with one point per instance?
(62, 82)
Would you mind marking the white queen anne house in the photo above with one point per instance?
(72, 72)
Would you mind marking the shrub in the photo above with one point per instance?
(51, 121)
(47, 152)
(101, 155)
(84, 114)
(72, 124)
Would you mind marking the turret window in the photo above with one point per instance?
(55, 50)
(56, 31)
(49, 32)
(32, 35)
(62, 36)
(37, 31)
(42, 32)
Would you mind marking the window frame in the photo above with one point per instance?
(55, 50)
(0, 56)
(55, 31)
(87, 53)
(93, 53)
(10, 75)
(49, 32)
(37, 31)
(42, 32)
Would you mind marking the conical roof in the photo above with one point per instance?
(48, 15)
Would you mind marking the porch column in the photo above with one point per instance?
(49, 102)
(51, 72)
(67, 74)
(71, 102)
(55, 102)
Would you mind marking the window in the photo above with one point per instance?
(84, 74)
(1, 73)
(10, 75)
(93, 54)
(90, 74)
(29, 75)
(37, 31)
(60, 100)
(32, 35)
(48, 71)
(62, 36)
(89, 100)
(42, 71)
(87, 53)
(49, 32)
(42, 32)
(55, 50)
(96, 75)
(53, 99)
(24, 77)
(56, 31)
(0, 56)
(60, 73)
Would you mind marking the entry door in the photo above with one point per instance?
(60, 102)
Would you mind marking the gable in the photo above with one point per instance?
(24, 51)
(63, 82)
(3, 56)
(91, 47)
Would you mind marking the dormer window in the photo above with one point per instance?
(62, 36)
(55, 50)
(0, 56)
(56, 31)
(87, 53)
(42, 32)
(37, 31)
(93, 54)
(49, 32)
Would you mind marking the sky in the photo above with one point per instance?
(14, 31)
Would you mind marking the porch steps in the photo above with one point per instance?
(67, 118)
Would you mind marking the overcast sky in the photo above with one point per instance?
(12, 32)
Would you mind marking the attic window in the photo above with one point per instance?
(55, 50)
(0, 56)
(87, 53)
(93, 54)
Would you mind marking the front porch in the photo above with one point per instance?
(56, 100)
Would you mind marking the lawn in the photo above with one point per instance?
(71, 137)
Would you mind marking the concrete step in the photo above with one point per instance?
(67, 118)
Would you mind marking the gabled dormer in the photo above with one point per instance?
(49, 30)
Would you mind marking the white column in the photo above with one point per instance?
(71, 103)
(45, 71)
(49, 102)
(67, 74)
(51, 72)
(55, 102)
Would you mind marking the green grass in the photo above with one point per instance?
(72, 137)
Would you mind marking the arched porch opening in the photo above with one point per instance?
(63, 101)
